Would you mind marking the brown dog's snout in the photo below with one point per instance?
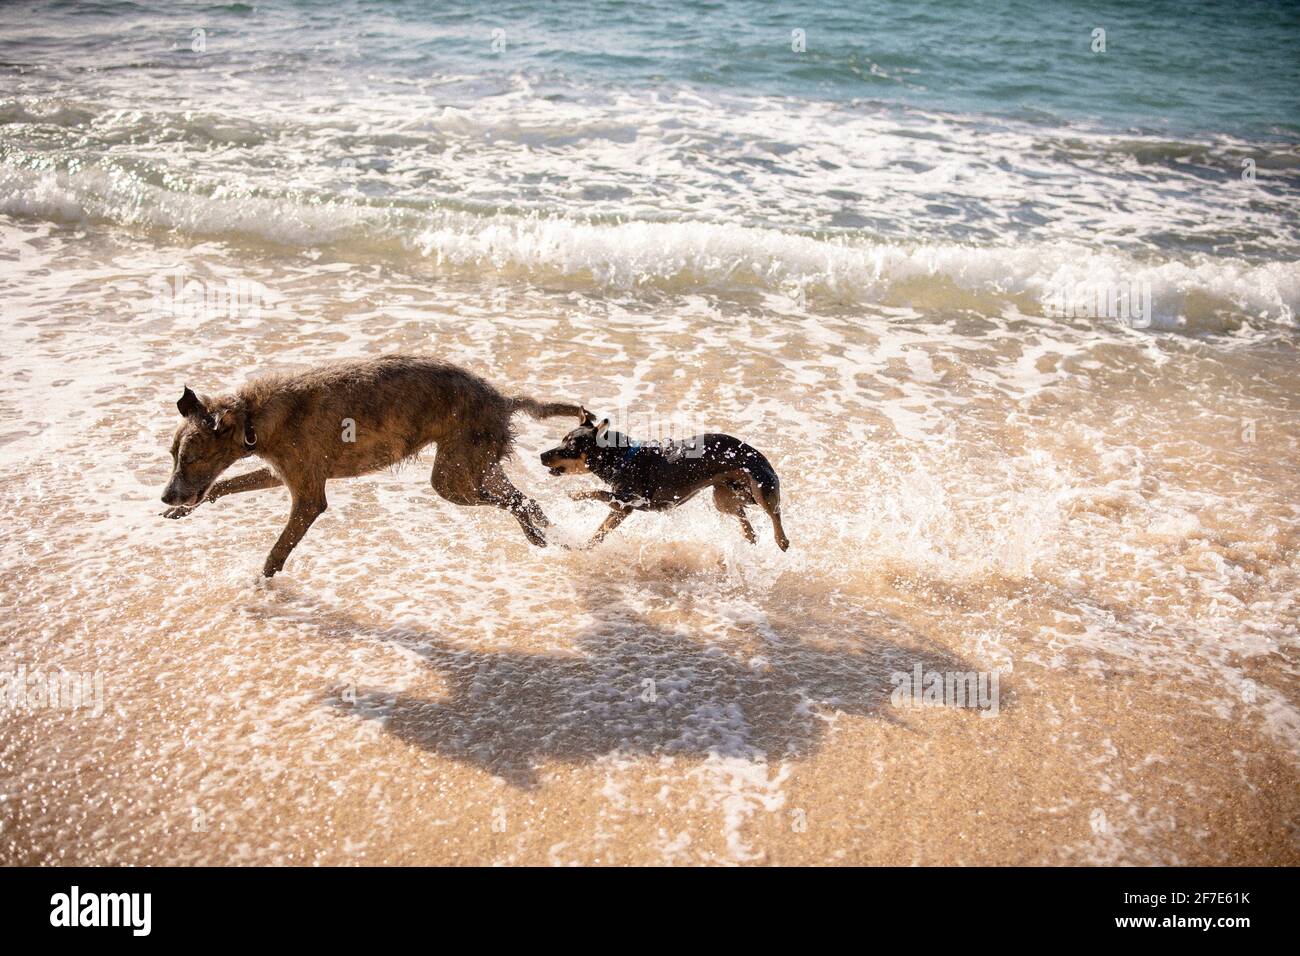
(170, 495)
(177, 493)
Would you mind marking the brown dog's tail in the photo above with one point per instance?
(536, 409)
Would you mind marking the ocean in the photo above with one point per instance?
(1007, 293)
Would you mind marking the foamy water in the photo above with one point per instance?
(1099, 509)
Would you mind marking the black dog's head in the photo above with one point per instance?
(212, 437)
(570, 456)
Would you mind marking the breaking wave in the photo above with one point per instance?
(1192, 293)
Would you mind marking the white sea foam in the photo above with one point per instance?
(1201, 292)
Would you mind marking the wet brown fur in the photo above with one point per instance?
(297, 424)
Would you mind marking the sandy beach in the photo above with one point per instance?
(1091, 516)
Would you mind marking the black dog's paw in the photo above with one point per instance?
(180, 511)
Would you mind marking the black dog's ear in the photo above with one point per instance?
(602, 428)
(190, 406)
(585, 416)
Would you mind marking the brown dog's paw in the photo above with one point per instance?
(180, 511)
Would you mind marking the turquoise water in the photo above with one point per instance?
(1231, 68)
(418, 126)
(1167, 66)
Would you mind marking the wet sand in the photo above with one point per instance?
(1068, 504)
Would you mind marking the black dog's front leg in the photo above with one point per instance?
(616, 518)
(591, 496)
(621, 502)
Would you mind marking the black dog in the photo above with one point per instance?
(657, 477)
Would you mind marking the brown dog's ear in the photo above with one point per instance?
(190, 406)
(228, 418)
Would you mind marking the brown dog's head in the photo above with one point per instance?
(206, 443)
(570, 456)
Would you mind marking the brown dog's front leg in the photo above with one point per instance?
(616, 518)
(305, 510)
(253, 481)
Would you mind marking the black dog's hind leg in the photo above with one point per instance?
(767, 493)
(730, 502)
(765, 490)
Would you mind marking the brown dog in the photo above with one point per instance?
(345, 419)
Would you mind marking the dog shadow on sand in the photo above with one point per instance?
(637, 688)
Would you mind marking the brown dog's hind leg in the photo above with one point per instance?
(496, 489)
(469, 475)
(307, 507)
(731, 503)
(452, 478)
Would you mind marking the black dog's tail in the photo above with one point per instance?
(530, 406)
